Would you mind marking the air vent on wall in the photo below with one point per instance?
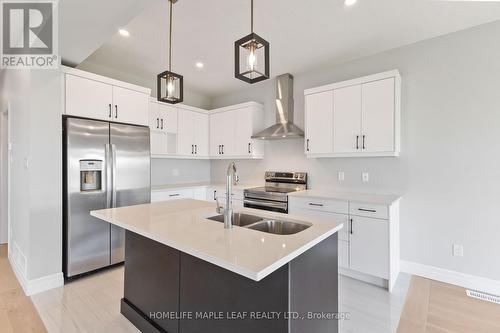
(483, 296)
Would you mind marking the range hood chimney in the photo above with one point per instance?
(284, 127)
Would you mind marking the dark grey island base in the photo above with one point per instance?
(170, 291)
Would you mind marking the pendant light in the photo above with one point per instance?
(170, 87)
(251, 56)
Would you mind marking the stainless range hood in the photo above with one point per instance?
(284, 127)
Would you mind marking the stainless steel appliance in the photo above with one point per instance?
(105, 165)
(284, 127)
(274, 195)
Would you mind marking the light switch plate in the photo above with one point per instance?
(365, 176)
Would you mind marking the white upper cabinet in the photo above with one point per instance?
(130, 106)
(201, 137)
(192, 133)
(163, 125)
(359, 117)
(88, 98)
(162, 117)
(182, 131)
(185, 135)
(378, 116)
(319, 122)
(231, 130)
(93, 96)
(347, 119)
(221, 132)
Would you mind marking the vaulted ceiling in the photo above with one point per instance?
(302, 33)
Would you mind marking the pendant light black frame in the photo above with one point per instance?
(168, 74)
(241, 43)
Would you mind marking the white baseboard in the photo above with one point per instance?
(468, 281)
(35, 286)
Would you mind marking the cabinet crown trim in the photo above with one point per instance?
(365, 79)
(104, 79)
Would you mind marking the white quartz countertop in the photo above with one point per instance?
(382, 199)
(201, 184)
(182, 224)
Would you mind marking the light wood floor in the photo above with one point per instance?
(91, 304)
(435, 307)
(17, 313)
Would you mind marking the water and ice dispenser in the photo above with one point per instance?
(90, 175)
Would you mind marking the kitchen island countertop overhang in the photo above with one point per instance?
(183, 225)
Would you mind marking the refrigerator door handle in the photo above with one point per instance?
(109, 184)
(113, 177)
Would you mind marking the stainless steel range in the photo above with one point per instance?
(274, 195)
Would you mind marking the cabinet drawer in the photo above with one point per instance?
(324, 205)
(171, 195)
(369, 210)
(343, 254)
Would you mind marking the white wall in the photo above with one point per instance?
(3, 163)
(36, 169)
(449, 169)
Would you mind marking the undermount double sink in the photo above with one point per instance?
(271, 226)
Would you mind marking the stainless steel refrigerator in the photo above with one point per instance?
(105, 165)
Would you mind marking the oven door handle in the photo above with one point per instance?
(281, 205)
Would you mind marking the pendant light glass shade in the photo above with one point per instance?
(170, 85)
(251, 57)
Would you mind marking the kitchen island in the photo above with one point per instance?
(185, 273)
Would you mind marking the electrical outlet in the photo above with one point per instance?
(365, 176)
(175, 172)
(341, 176)
(458, 250)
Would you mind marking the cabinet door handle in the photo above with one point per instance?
(315, 204)
(116, 111)
(110, 115)
(307, 144)
(196, 149)
(157, 123)
(192, 149)
(174, 195)
(364, 141)
(222, 149)
(249, 148)
(162, 123)
(352, 231)
(219, 149)
(357, 141)
(367, 210)
(215, 194)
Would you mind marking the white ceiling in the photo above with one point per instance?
(302, 34)
(86, 25)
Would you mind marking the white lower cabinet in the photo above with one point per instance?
(167, 195)
(368, 245)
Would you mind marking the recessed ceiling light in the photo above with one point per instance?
(350, 2)
(200, 64)
(124, 32)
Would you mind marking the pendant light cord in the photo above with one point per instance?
(251, 18)
(170, 40)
